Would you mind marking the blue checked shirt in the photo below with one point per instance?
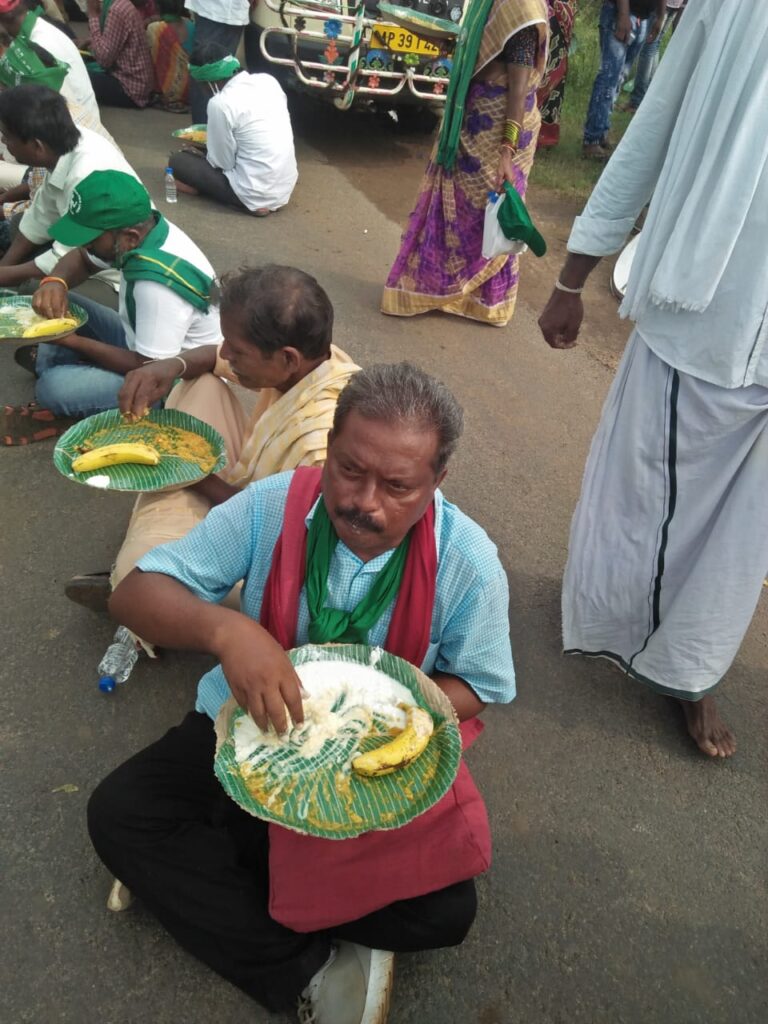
(470, 625)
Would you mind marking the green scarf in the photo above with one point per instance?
(215, 72)
(20, 65)
(105, 6)
(331, 625)
(462, 69)
(151, 263)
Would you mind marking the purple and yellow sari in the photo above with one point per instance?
(439, 265)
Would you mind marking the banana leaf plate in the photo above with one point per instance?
(320, 795)
(170, 431)
(184, 134)
(13, 310)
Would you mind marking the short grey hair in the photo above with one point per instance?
(401, 392)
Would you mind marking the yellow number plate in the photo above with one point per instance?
(392, 37)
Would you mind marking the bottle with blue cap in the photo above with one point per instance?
(171, 195)
(118, 661)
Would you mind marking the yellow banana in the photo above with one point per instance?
(114, 454)
(400, 751)
(56, 326)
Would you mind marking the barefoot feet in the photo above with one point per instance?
(707, 728)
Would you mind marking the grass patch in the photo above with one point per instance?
(563, 169)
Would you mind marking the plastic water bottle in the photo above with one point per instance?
(118, 660)
(171, 195)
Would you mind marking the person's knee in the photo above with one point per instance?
(109, 815)
(461, 911)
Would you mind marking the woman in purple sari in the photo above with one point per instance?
(488, 135)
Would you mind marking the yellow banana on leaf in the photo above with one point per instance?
(58, 325)
(400, 751)
(115, 454)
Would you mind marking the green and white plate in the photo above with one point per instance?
(183, 133)
(160, 429)
(320, 795)
(13, 309)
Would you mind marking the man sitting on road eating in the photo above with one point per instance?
(388, 562)
(165, 305)
(277, 324)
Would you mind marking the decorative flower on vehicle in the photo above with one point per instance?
(299, 24)
(441, 68)
(376, 60)
(439, 88)
(411, 59)
(374, 81)
(329, 77)
(331, 53)
(332, 28)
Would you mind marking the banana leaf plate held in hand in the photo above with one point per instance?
(189, 450)
(195, 134)
(305, 782)
(16, 315)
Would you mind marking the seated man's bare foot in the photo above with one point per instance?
(707, 728)
(188, 190)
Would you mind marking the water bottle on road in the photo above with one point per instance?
(170, 186)
(118, 660)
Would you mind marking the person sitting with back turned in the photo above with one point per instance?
(165, 302)
(277, 326)
(250, 162)
(287, 916)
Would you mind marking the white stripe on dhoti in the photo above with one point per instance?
(669, 540)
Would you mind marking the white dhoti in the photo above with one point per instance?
(669, 540)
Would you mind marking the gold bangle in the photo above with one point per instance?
(58, 280)
(509, 146)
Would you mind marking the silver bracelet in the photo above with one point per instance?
(571, 291)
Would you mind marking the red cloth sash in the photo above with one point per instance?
(318, 883)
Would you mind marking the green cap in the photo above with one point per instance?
(516, 222)
(104, 201)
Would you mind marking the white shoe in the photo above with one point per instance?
(120, 897)
(352, 988)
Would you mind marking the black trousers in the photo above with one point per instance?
(109, 91)
(207, 31)
(163, 825)
(193, 169)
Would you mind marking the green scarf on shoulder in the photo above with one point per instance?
(150, 262)
(462, 69)
(332, 625)
(20, 64)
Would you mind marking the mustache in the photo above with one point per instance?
(357, 519)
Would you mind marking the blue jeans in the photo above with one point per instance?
(66, 384)
(647, 62)
(613, 55)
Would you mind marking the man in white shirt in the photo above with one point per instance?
(165, 304)
(19, 16)
(38, 130)
(216, 21)
(669, 542)
(250, 161)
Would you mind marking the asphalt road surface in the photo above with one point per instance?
(628, 885)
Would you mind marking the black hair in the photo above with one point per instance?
(35, 112)
(209, 53)
(403, 393)
(280, 307)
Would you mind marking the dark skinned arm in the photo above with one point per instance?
(165, 612)
(465, 701)
(154, 380)
(108, 357)
(561, 320)
(52, 299)
(19, 251)
(17, 194)
(623, 28)
(518, 81)
(661, 13)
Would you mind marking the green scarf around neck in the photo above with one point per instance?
(105, 6)
(20, 65)
(462, 69)
(331, 625)
(151, 263)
